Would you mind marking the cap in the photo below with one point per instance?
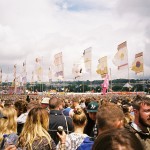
(92, 107)
(2, 116)
(45, 100)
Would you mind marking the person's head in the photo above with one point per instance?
(109, 116)
(75, 102)
(117, 139)
(8, 123)
(36, 125)
(33, 104)
(45, 102)
(141, 107)
(21, 106)
(55, 103)
(79, 118)
(92, 110)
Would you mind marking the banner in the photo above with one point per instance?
(50, 74)
(77, 70)
(58, 66)
(15, 68)
(32, 78)
(121, 57)
(24, 74)
(38, 69)
(0, 76)
(102, 68)
(87, 56)
(137, 65)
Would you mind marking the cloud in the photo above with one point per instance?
(35, 28)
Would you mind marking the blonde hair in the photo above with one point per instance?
(8, 125)
(79, 118)
(36, 126)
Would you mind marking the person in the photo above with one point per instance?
(74, 139)
(91, 127)
(34, 135)
(117, 139)
(141, 124)
(58, 119)
(108, 116)
(21, 108)
(45, 103)
(8, 126)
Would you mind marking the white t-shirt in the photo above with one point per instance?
(73, 140)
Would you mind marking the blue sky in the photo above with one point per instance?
(42, 28)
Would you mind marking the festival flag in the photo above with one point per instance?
(102, 68)
(32, 78)
(87, 56)
(58, 66)
(0, 76)
(105, 84)
(50, 74)
(15, 68)
(77, 70)
(121, 57)
(24, 74)
(39, 69)
(137, 65)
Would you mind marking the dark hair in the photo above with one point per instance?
(21, 106)
(140, 100)
(79, 118)
(116, 138)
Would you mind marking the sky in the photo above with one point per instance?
(43, 28)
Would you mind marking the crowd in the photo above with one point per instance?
(75, 122)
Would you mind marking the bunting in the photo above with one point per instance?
(137, 65)
(102, 68)
(121, 57)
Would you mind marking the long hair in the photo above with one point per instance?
(36, 126)
(8, 124)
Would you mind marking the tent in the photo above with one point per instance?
(127, 85)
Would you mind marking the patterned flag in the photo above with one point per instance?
(32, 78)
(58, 66)
(50, 74)
(87, 56)
(77, 70)
(137, 65)
(0, 76)
(38, 69)
(24, 74)
(15, 68)
(121, 57)
(102, 68)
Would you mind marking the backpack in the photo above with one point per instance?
(86, 144)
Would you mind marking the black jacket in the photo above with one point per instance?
(58, 119)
